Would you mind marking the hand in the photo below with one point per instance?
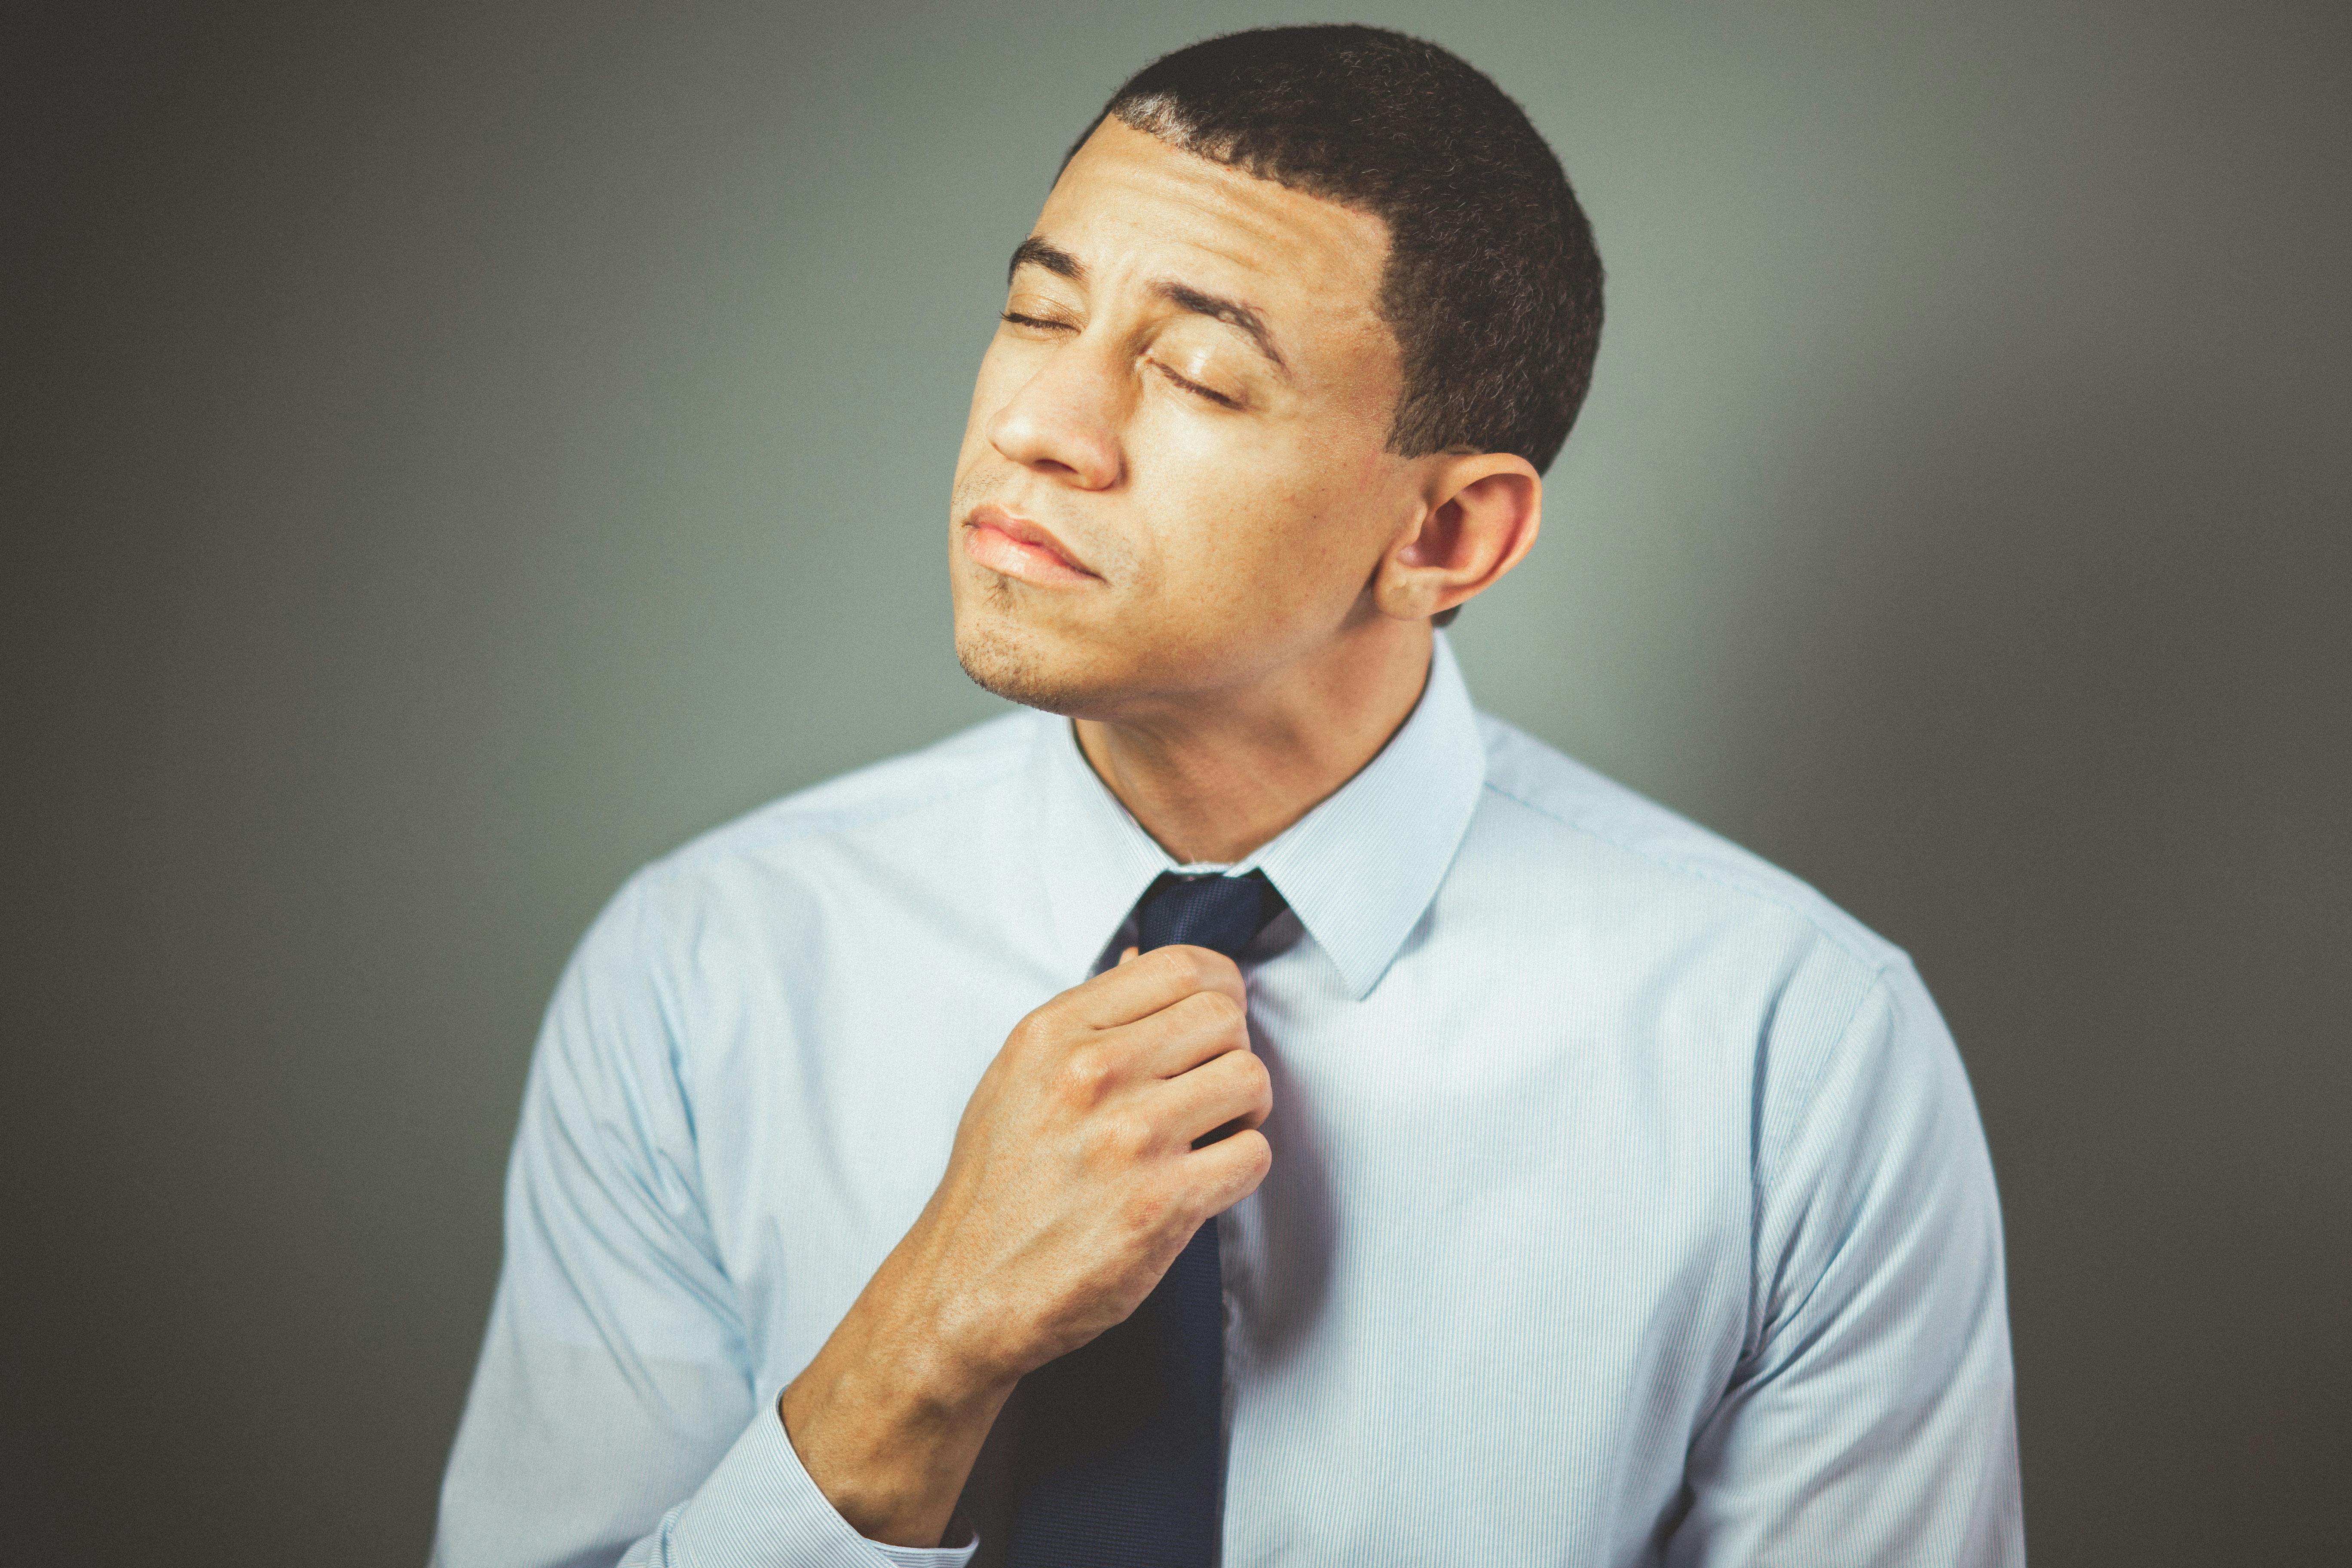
(1073, 1182)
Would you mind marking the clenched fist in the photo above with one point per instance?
(1083, 1163)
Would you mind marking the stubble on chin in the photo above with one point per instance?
(1000, 659)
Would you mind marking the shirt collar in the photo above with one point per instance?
(1358, 871)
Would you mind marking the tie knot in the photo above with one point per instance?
(1210, 910)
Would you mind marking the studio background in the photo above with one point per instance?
(455, 454)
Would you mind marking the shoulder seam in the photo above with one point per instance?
(1770, 1160)
(1874, 963)
(792, 825)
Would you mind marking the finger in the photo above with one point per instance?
(1154, 980)
(1131, 953)
(1229, 1093)
(1223, 1173)
(1179, 1038)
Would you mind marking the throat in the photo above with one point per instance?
(1212, 786)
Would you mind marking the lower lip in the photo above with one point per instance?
(1000, 551)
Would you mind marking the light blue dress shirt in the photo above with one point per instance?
(1628, 1203)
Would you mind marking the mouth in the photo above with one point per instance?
(1016, 547)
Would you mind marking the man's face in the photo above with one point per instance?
(1173, 481)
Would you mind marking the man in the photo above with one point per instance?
(1251, 1109)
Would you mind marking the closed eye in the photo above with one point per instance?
(1218, 398)
(1018, 320)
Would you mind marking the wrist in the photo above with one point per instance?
(896, 1367)
(896, 1382)
(887, 1432)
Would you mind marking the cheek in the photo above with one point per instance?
(1259, 531)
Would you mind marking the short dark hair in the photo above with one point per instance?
(1492, 284)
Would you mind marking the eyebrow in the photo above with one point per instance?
(1038, 251)
(1233, 312)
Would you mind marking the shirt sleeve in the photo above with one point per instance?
(1871, 1419)
(614, 1417)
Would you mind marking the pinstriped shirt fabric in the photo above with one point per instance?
(1629, 1203)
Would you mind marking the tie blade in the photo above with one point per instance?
(1124, 1456)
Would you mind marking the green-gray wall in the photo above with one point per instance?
(458, 452)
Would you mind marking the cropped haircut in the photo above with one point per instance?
(1492, 285)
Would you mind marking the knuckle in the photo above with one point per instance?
(1133, 1137)
(1147, 1209)
(1222, 1010)
(1144, 1218)
(1196, 965)
(1033, 1030)
(1120, 1140)
(1210, 1014)
(1083, 1074)
(1253, 1069)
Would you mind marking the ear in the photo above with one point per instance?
(1479, 514)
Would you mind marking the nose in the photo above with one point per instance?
(1064, 421)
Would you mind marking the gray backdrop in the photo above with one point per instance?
(458, 452)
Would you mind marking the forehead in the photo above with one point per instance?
(1132, 208)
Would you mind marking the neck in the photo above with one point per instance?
(1213, 777)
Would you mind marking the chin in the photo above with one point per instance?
(1008, 662)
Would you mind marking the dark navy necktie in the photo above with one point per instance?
(1119, 1445)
